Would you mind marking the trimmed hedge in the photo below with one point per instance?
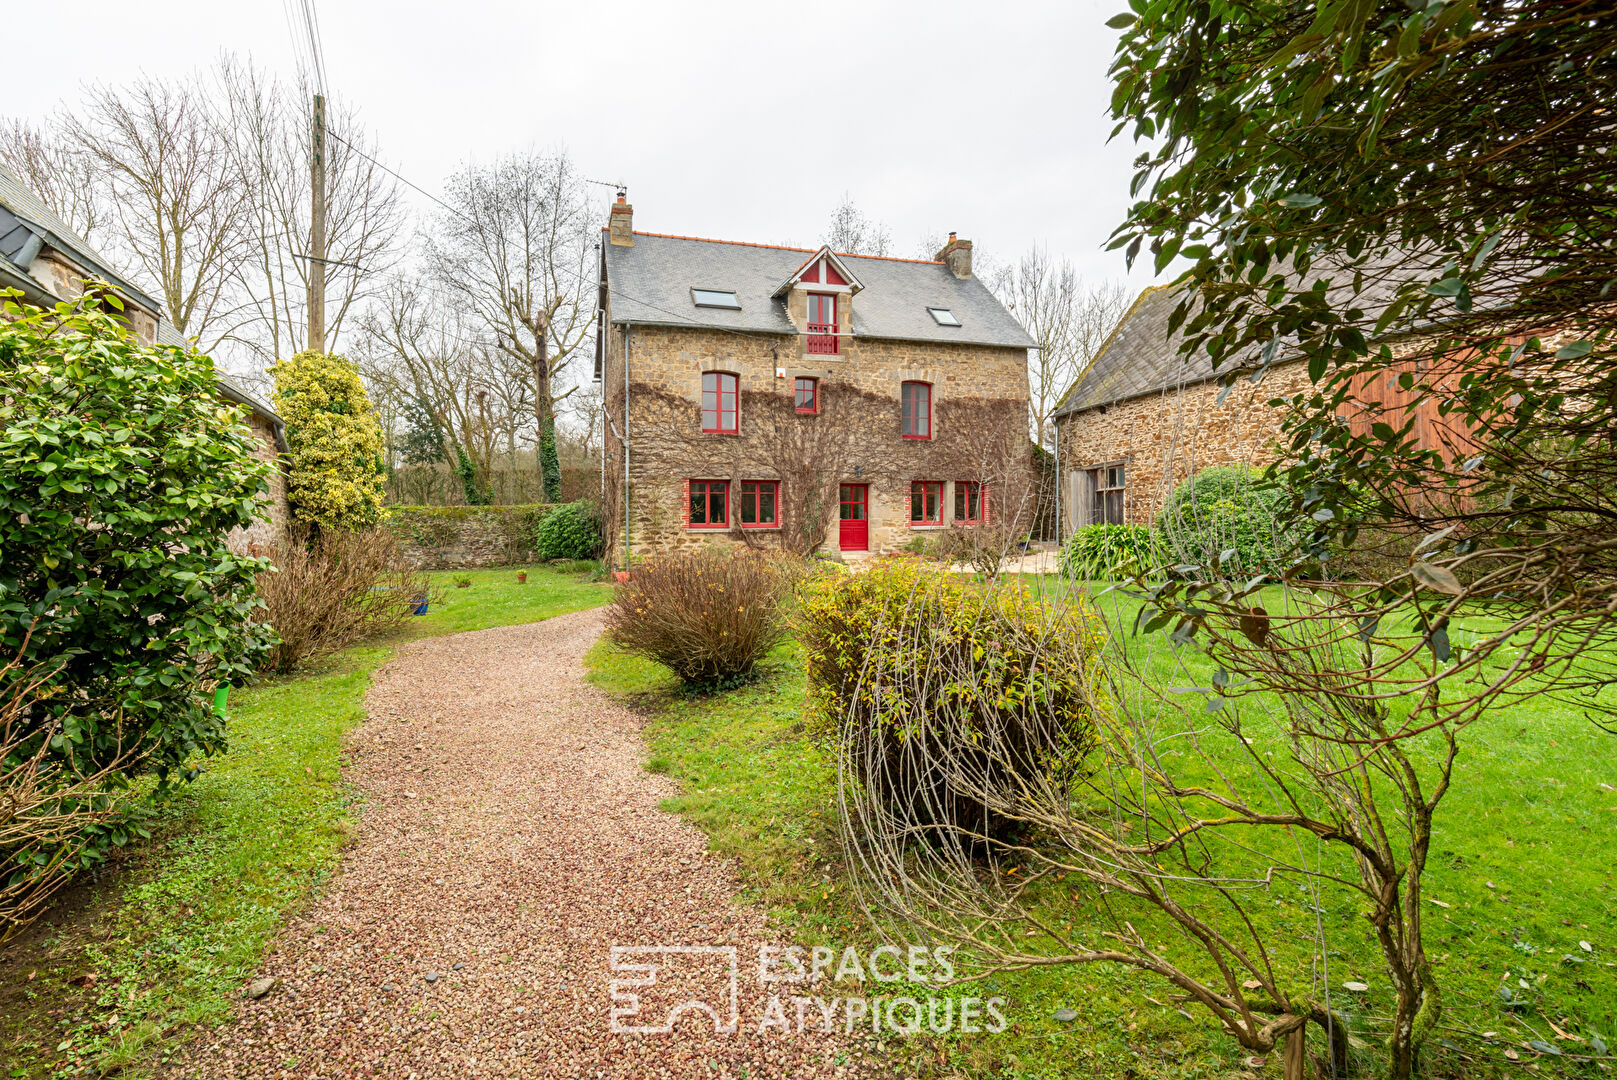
(570, 531)
(1224, 517)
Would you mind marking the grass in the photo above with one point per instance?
(124, 966)
(1521, 858)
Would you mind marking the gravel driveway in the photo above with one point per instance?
(509, 839)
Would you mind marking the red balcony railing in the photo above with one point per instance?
(822, 338)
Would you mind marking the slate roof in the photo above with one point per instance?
(651, 283)
(24, 216)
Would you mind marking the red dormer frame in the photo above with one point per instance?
(822, 322)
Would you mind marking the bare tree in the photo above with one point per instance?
(364, 216)
(1068, 320)
(167, 165)
(852, 233)
(418, 346)
(54, 167)
(515, 246)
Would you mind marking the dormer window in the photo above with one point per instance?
(943, 316)
(822, 322)
(715, 298)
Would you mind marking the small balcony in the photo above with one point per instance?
(822, 338)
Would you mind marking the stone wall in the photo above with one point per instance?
(451, 537)
(1165, 437)
(271, 525)
(979, 410)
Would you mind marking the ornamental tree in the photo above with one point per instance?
(337, 475)
(121, 475)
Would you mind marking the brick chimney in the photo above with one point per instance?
(957, 253)
(622, 222)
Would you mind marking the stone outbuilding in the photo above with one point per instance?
(43, 257)
(804, 398)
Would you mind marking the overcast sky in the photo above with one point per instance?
(740, 121)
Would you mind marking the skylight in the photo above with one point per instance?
(943, 316)
(715, 298)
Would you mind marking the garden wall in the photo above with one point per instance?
(448, 537)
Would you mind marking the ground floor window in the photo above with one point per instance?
(709, 504)
(968, 501)
(926, 502)
(759, 503)
(1108, 505)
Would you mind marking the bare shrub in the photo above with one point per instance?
(708, 615)
(49, 810)
(327, 592)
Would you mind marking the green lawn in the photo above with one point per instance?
(123, 967)
(1521, 858)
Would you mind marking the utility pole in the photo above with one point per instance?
(317, 230)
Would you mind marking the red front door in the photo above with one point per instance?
(855, 524)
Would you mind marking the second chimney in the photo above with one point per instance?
(957, 255)
(622, 223)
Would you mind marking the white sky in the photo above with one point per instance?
(739, 121)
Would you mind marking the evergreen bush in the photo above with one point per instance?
(1226, 519)
(570, 531)
(337, 479)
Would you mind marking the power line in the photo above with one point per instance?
(401, 179)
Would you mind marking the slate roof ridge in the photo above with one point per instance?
(1062, 407)
(780, 247)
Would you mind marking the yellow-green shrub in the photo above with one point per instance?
(337, 477)
(926, 678)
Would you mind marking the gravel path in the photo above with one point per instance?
(510, 838)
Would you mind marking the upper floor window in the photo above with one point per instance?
(807, 395)
(917, 400)
(822, 323)
(968, 501)
(719, 403)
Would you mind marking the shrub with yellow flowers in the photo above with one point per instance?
(337, 479)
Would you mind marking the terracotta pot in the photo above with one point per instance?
(522, 579)
(463, 584)
(620, 576)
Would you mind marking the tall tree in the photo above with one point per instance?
(515, 244)
(1069, 320)
(56, 169)
(166, 162)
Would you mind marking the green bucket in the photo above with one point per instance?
(220, 695)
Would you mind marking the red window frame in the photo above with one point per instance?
(822, 332)
(921, 493)
(968, 495)
(720, 408)
(713, 495)
(913, 424)
(753, 494)
(802, 385)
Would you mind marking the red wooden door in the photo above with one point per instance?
(855, 524)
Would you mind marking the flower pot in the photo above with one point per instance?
(463, 584)
(418, 607)
(522, 578)
(220, 696)
(620, 576)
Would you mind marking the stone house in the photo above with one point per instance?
(41, 256)
(804, 398)
(1141, 417)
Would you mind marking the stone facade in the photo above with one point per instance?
(1164, 437)
(979, 409)
(271, 525)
